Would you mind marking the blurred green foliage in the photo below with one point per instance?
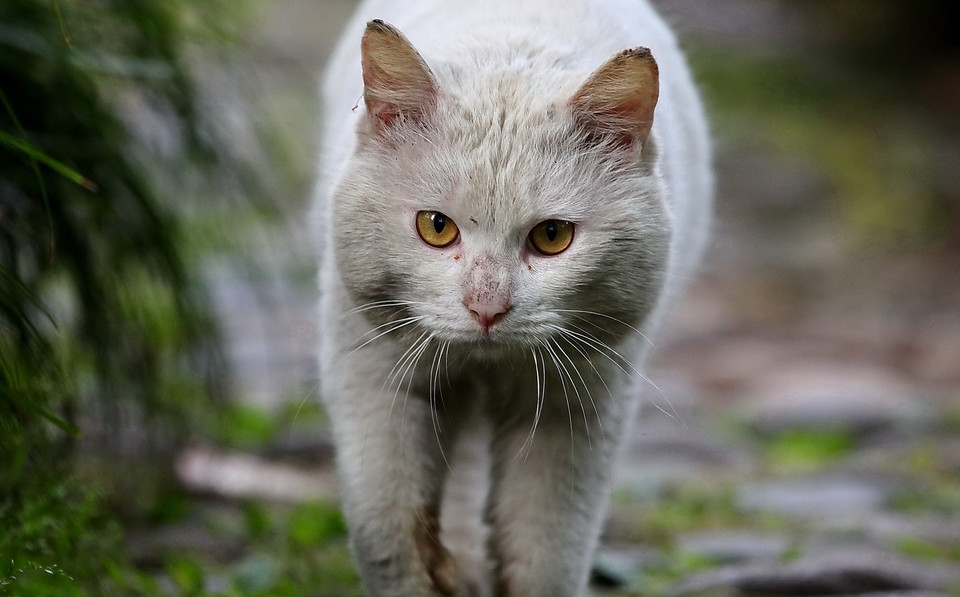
(291, 551)
(865, 99)
(877, 167)
(100, 321)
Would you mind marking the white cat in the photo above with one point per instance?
(512, 192)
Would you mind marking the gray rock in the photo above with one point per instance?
(813, 496)
(618, 565)
(886, 527)
(151, 547)
(823, 394)
(735, 547)
(659, 454)
(896, 594)
(236, 475)
(830, 572)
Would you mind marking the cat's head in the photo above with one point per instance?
(495, 206)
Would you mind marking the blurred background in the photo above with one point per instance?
(159, 429)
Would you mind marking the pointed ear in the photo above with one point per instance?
(617, 101)
(397, 84)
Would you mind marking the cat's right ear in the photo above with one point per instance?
(398, 86)
(616, 103)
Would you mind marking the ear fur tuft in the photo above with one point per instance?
(397, 83)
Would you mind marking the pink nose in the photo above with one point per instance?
(486, 314)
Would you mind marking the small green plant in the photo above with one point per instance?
(243, 426)
(311, 525)
(928, 550)
(657, 581)
(689, 508)
(805, 450)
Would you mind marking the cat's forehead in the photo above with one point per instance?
(507, 142)
(506, 104)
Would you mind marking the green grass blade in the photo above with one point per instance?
(26, 293)
(36, 172)
(63, 24)
(61, 423)
(57, 166)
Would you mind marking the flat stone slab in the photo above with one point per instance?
(735, 547)
(817, 495)
(820, 394)
(850, 571)
(236, 475)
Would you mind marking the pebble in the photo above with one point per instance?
(735, 547)
(617, 565)
(815, 495)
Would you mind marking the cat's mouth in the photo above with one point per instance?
(494, 342)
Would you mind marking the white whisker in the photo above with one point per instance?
(579, 313)
(376, 305)
(602, 348)
(540, 374)
(391, 326)
(434, 393)
(598, 345)
(561, 370)
(406, 364)
(586, 388)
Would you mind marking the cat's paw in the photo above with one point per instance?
(441, 566)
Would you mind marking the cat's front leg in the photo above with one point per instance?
(547, 504)
(391, 473)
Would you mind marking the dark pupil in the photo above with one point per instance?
(551, 230)
(439, 222)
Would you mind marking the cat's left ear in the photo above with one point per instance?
(617, 101)
(397, 83)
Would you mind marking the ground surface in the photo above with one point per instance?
(805, 437)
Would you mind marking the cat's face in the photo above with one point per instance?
(494, 221)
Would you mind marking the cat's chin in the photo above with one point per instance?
(490, 347)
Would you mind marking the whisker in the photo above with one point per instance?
(391, 326)
(598, 345)
(583, 353)
(402, 361)
(578, 314)
(404, 365)
(606, 351)
(538, 371)
(412, 355)
(563, 384)
(384, 304)
(374, 305)
(586, 388)
(433, 394)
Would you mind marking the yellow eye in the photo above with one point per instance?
(552, 236)
(436, 229)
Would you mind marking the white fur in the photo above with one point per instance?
(407, 372)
